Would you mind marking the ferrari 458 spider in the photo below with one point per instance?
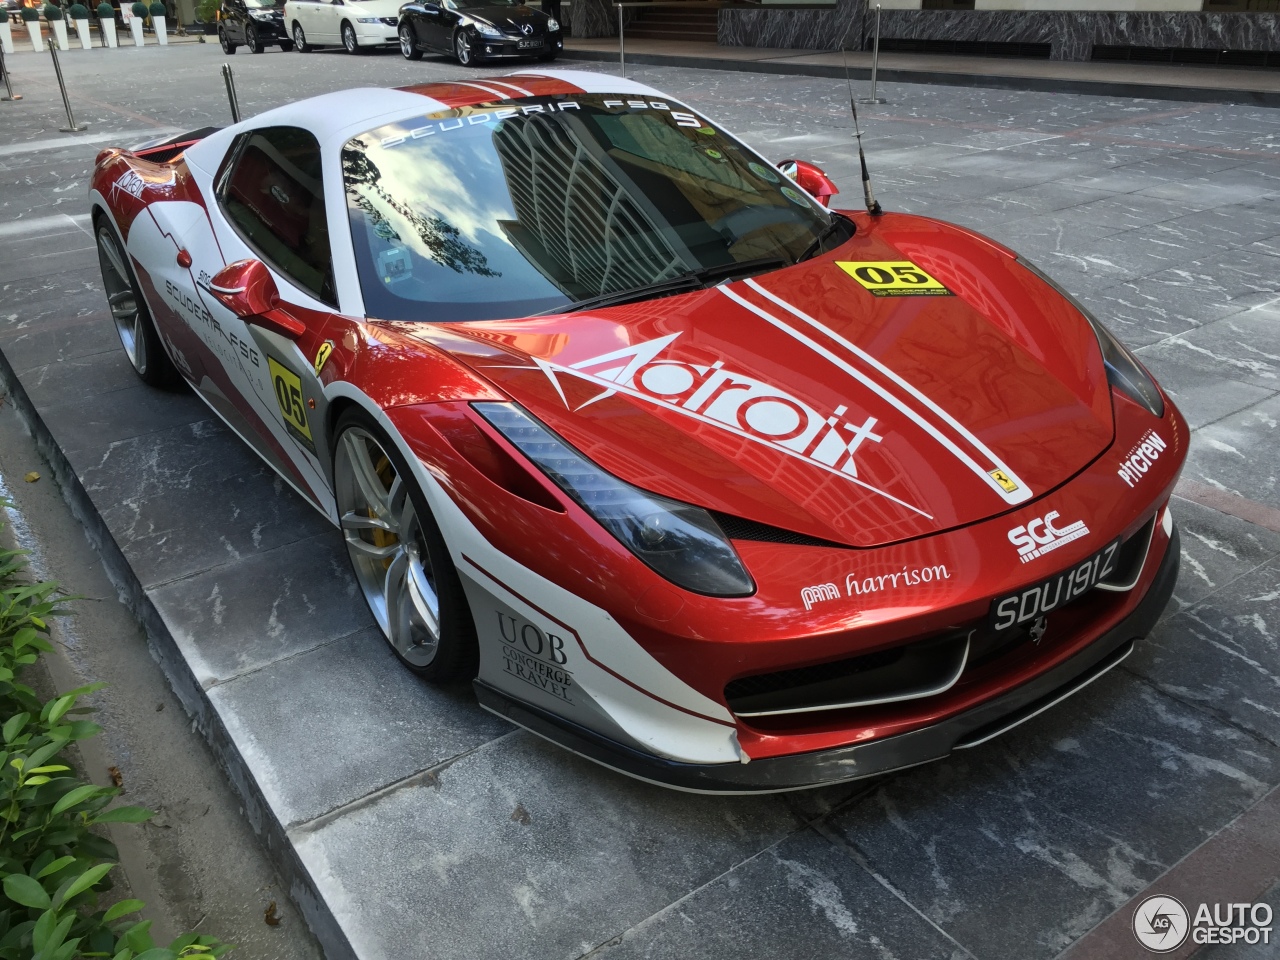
(687, 472)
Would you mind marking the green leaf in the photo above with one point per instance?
(13, 726)
(20, 888)
(138, 938)
(78, 795)
(56, 936)
(42, 932)
(124, 815)
(87, 880)
(43, 753)
(67, 950)
(51, 769)
(121, 909)
(55, 866)
(83, 729)
(35, 781)
(60, 707)
(157, 953)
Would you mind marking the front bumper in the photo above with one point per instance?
(269, 31)
(798, 771)
(376, 34)
(492, 48)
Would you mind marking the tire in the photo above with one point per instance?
(408, 49)
(462, 49)
(349, 41)
(129, 312)
(286, 46)
(227, 46)
(300, 40)
(395, 546)
(253, 41)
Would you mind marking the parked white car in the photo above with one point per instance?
(353, 24)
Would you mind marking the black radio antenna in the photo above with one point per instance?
(873, 205)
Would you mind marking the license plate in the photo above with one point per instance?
(1059, 590)
(529, 44)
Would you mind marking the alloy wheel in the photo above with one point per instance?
(407, 48)
(300, 39)
(462, 48)
(252, 42)
(387, 545)
(349, 38)
(125, 310)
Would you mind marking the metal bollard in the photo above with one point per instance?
(230, 81)
(622, 56)
(875, 63)
(72, 126)
(7, 84)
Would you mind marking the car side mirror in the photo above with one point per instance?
(431, 8)
(248, 290)
(811, 178)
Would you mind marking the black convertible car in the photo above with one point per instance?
(257, 24)
(476, 30)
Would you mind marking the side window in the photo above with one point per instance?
(274, 198)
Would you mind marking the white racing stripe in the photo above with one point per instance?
(521, 90)
(1018, 496)
(500, 94)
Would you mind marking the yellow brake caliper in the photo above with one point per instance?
(383, 538)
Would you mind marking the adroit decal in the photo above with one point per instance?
(742, 405)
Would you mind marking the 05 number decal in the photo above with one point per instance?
(288, 389)
(894, 278)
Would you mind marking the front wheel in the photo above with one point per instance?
(227, 46)
(300, 40)
(129, 313)
(349, 39)
(253, 41)
(462, 49)
(407, 47)
(399, 556)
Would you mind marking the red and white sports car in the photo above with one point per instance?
(693, 475)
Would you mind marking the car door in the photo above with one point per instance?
(270, 207)
(434, 30)
(235, 16)
(329, 20)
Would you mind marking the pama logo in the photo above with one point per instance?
(735, 402)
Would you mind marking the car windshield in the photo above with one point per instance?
(501, 211)
(477, 4)
(263, 4)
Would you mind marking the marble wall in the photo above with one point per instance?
(1071, 35)
(596, 18)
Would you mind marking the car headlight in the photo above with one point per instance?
(677, 540)
(367, 20)
(1124, 372)
(260, 15)
(487, 30)
(553, 25)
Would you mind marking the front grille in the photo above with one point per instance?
(740, 528)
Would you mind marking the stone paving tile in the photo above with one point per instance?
(331, 725)
(534, 852)
(81, 377)
(1060, 821)
(1202, 400)
(804, 899)
(245, 614)
(1216, 550)
(1234, 453)
(90, 434)
(70, 338)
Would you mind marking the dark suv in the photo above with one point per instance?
(257, 24)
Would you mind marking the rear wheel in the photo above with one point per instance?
(300, 40)
(227, 46)
(349, 39)
(129, 313)
(407, 47)
(399, 556)
(253, 41)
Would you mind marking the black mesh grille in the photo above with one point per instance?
(803, 676)
(968, 48)
(739, 528)
(1188, 55)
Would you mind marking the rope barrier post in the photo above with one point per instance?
(622, 56)
(230, 81)
(8, 85)
(875, 64)
(72, 126)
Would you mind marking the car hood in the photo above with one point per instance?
(507, 18)
(378, 8)
(801, 400)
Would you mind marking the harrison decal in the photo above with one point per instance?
(742, 405)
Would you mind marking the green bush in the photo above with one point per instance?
(78, 11)
(158, 10)
(106, 11)
(53, 863)
(30, 14)
(208, 10)
(52, 13)
(139, 10)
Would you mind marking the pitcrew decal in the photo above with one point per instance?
(893, 278)
(1040, 536)
(817, 593)
(1140, 458)
(322, 355)
(288, 389)
(535, 656)
(740, 404)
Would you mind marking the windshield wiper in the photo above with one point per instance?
(693, 280)
(814, 248)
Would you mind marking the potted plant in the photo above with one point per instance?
(53, 14)
(107, 23)
(207, 13)
(6, 34)
(31, 17)
(139, 11)
(79, 15)
(158, 22)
